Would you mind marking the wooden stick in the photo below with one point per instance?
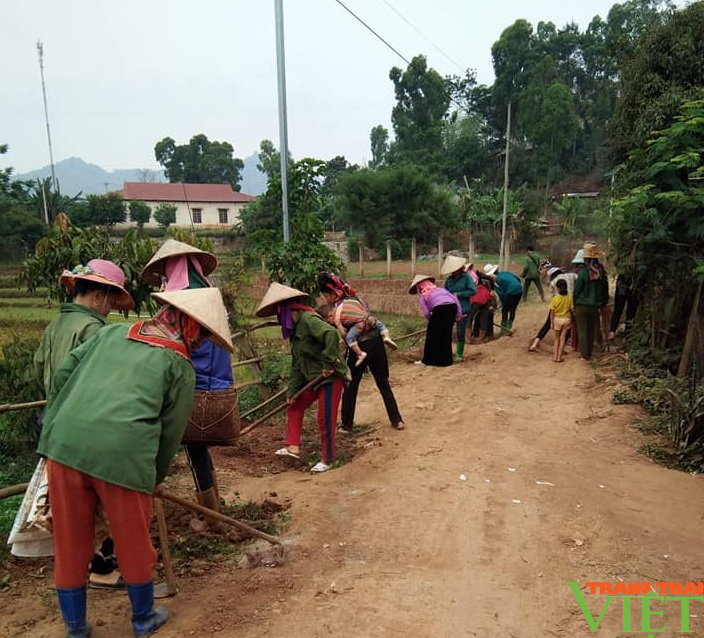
(504, 330)
(13, 490)
(409, 335)
(246, 362)
(204, 511)
(261, 405)
(10, 407)
(262, 324)
(278, 409)
(171, 588)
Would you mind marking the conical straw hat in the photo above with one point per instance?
(154, 270)
(274, 296)
(206, 307)
(451, 264)
(416, 280)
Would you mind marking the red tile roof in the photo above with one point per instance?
(178, 192)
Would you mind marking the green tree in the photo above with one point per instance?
(106, 210)
(657, 227)
(165, 215)
(270, 159)
(140, 213)
(422, 101)
(20, 226)
(305, 183)
(468, 149)
(664, 71)
(199, 162)
(397, 202)
(379, 138)
(65, 246)
(68, 245)
(298, 262)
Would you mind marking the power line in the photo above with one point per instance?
(356, 17)
(427, 39)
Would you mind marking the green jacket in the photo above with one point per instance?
(463, 288)
(117, 410)
(74, 325)
(590, 292)
(315, 346)
(531, 268)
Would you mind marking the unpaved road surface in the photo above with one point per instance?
(514, 476)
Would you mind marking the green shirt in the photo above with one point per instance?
(591, 292)
(531, 267)
(117, 410)
(463, 287)
(74, 325)
(315, 346)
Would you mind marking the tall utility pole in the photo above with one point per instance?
(503, 251)
(40, 50)
(283, 119)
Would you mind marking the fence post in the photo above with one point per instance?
(361, 259)
(388, 260)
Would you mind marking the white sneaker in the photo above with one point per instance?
(320, 467)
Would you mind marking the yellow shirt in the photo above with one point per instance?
(562, 306)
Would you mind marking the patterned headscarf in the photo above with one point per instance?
(328, 282)
(168, 328)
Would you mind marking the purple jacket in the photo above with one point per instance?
(438, 297)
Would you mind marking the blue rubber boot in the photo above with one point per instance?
(72, 603)
(146, 619)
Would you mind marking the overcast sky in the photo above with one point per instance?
(121, 75)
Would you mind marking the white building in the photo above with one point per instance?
(200, 205)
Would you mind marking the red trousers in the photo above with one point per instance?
(328, 396)
(73, 496)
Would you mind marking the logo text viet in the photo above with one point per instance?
(648, 593)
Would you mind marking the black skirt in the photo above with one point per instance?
(438, 337)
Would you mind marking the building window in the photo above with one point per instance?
(197, 214)
(222, 214)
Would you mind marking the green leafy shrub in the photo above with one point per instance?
(19, 430)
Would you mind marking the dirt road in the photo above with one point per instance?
(514, 476)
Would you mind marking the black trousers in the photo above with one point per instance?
(508, 308)
(378, 365)
(438, 337)
(201, 464)
(623, 298)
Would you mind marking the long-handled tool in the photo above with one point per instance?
(204, 511)
(11, 407)
(13, 490)
(167, 589)
(506, 331)
(278, 409)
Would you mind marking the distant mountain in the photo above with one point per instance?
(253, 180)
(77, 176)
